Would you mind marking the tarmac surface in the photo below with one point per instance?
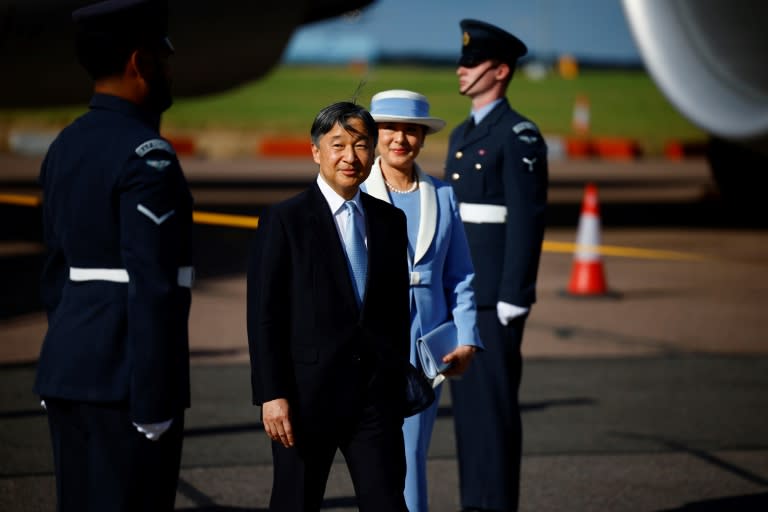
(650, 399)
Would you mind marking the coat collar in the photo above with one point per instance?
(108, 102)
(376, 187)
(481, 130)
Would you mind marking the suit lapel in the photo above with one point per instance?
(330, 253)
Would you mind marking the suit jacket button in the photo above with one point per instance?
(455, 176)
(459, 154)
(478, 166)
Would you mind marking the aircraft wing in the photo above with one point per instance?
(219, 45)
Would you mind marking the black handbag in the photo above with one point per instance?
(418, 391)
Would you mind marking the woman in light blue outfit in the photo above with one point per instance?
(440, 264)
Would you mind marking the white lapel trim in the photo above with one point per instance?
(427, 214)
(375, 185)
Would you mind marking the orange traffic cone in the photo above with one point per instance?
(587, 276)
(580, 122)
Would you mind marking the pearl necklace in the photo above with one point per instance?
(398, 191)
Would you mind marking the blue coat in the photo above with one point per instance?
(117, 219)
(441, 269)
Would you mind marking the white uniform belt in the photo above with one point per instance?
(185, 276)
(483, 213)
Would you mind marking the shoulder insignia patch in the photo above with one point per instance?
(528, 139)
(524, 125)
(158, 164)
(152, 145)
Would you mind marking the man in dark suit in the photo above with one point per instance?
(117, 214)
(497, 164)
(328, 326)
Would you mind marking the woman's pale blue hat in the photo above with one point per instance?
(401, 106)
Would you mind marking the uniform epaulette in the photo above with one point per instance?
(154, 145)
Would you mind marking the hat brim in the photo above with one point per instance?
(433, 124)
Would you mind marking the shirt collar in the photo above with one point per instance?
(480, 113)
(334, 200)
(108, 102)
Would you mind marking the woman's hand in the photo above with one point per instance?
(459, 360)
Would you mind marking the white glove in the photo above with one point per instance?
(42, 404)
(508, 312)
(153, 431)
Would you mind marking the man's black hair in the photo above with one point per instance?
(341, 113)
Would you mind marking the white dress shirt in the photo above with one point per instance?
(336, 204)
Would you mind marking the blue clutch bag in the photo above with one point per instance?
(433, 346)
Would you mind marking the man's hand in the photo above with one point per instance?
(276, 416)
(459, 360)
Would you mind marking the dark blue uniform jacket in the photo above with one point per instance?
(502, 162)
(117, 217)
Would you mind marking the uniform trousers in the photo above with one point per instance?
(104, 464)
(487, 417)
(372, 446)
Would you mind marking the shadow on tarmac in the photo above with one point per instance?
(447, 411)
(747, 503)
(216, 508)
(340, 502)
(243, 428)
(27, 413)
(227, 429)
(677, 446)
(20, 275)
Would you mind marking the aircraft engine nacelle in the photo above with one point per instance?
(708, 58)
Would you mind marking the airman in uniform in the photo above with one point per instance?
(113, 371)
(497, 164)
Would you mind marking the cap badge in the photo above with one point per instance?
(465, 38)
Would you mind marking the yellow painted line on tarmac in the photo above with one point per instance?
(217, 219)
(625, 252)
(251, 222)
(225, 219)
(20, 199)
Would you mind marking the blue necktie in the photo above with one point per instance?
(356, 252)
